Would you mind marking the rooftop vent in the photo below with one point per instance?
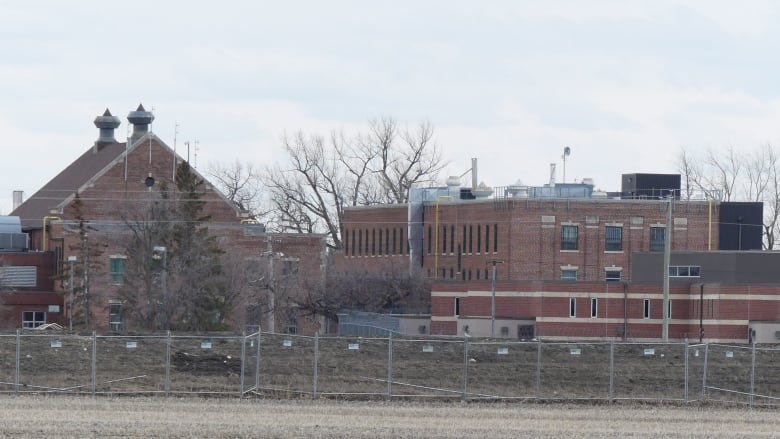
(106, 124)
(141, 119)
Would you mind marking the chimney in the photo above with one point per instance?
(18, 197)
(141, 119)
(106, 124)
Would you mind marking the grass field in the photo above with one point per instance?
(69, 416)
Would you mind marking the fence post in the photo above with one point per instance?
(465, 367)
(168, 363)
(538, 392)
(243, 359)
(390, 367)
(753, 375)
(316, 361)
(611, 369)
(686, 371)
(18, 346)
(257, 363)
(704, 372)
(94, 362)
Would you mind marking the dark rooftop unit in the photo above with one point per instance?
(650, 186)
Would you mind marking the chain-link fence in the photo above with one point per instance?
(388, 367)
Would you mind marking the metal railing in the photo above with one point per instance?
(278, 365)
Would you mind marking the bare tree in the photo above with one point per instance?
(738, 176)
(416, 160)
(241, 184)
(322, 177)
(392, 289)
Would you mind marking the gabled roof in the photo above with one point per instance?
(66, 183)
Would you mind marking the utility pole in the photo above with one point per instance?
(493, 298)
(71, 264)
(667, 261)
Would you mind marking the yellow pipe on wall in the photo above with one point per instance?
(44, 239)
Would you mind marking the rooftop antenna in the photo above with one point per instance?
(566, 153)
(175, 135)
(150, 137)
(195, 161)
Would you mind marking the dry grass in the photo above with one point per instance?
(67, 416)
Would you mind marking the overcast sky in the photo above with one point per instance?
(624, 84)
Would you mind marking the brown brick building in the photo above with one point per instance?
(564, 258)
(116, 182)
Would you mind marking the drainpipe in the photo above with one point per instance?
(44, 239)
(701, 313)
(625, 311)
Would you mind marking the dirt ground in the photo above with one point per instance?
(36, 416)
(435, 368)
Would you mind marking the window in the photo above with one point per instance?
(614, 239)
(463, 248)
(395, 237)
(669, 309)
(290, 267)
(684, 270)
(646, 312)
(505, 331)
(487, 238)
(292, 325)
(479, 273)
(380, 243)
(118, 269)
(657, 237)
(33, 319)
(346, 242)
(569, 238)
(430, 239)
(366, 242)
(594, 307)
(495, 238)
(612, 275)
(572, 307)
(115, 316)
(443, 239)
(373, 242)
(387, 242)
(568, 274)
(353, 243)
(452, 239)
(471, 238)
(457, 306)
(479, 237)
(360, 242)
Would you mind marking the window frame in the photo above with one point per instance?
(594, 307)
(608, 271)
(115, 318)
(568, 242)
(117, 277)
(565, 278)
(613, 238)
(33, 322)
(654, 244)
(572, 307)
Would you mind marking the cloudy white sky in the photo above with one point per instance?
(625, 84)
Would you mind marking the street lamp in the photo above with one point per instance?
(71, 264)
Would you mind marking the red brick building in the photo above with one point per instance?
(115, 183)
(563, 257)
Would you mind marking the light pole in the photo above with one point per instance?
(71, 264)
(493, 298)
(161, 252)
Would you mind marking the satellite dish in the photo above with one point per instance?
(566, 151)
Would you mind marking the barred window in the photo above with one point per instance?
(614, 238)
(569, 237)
